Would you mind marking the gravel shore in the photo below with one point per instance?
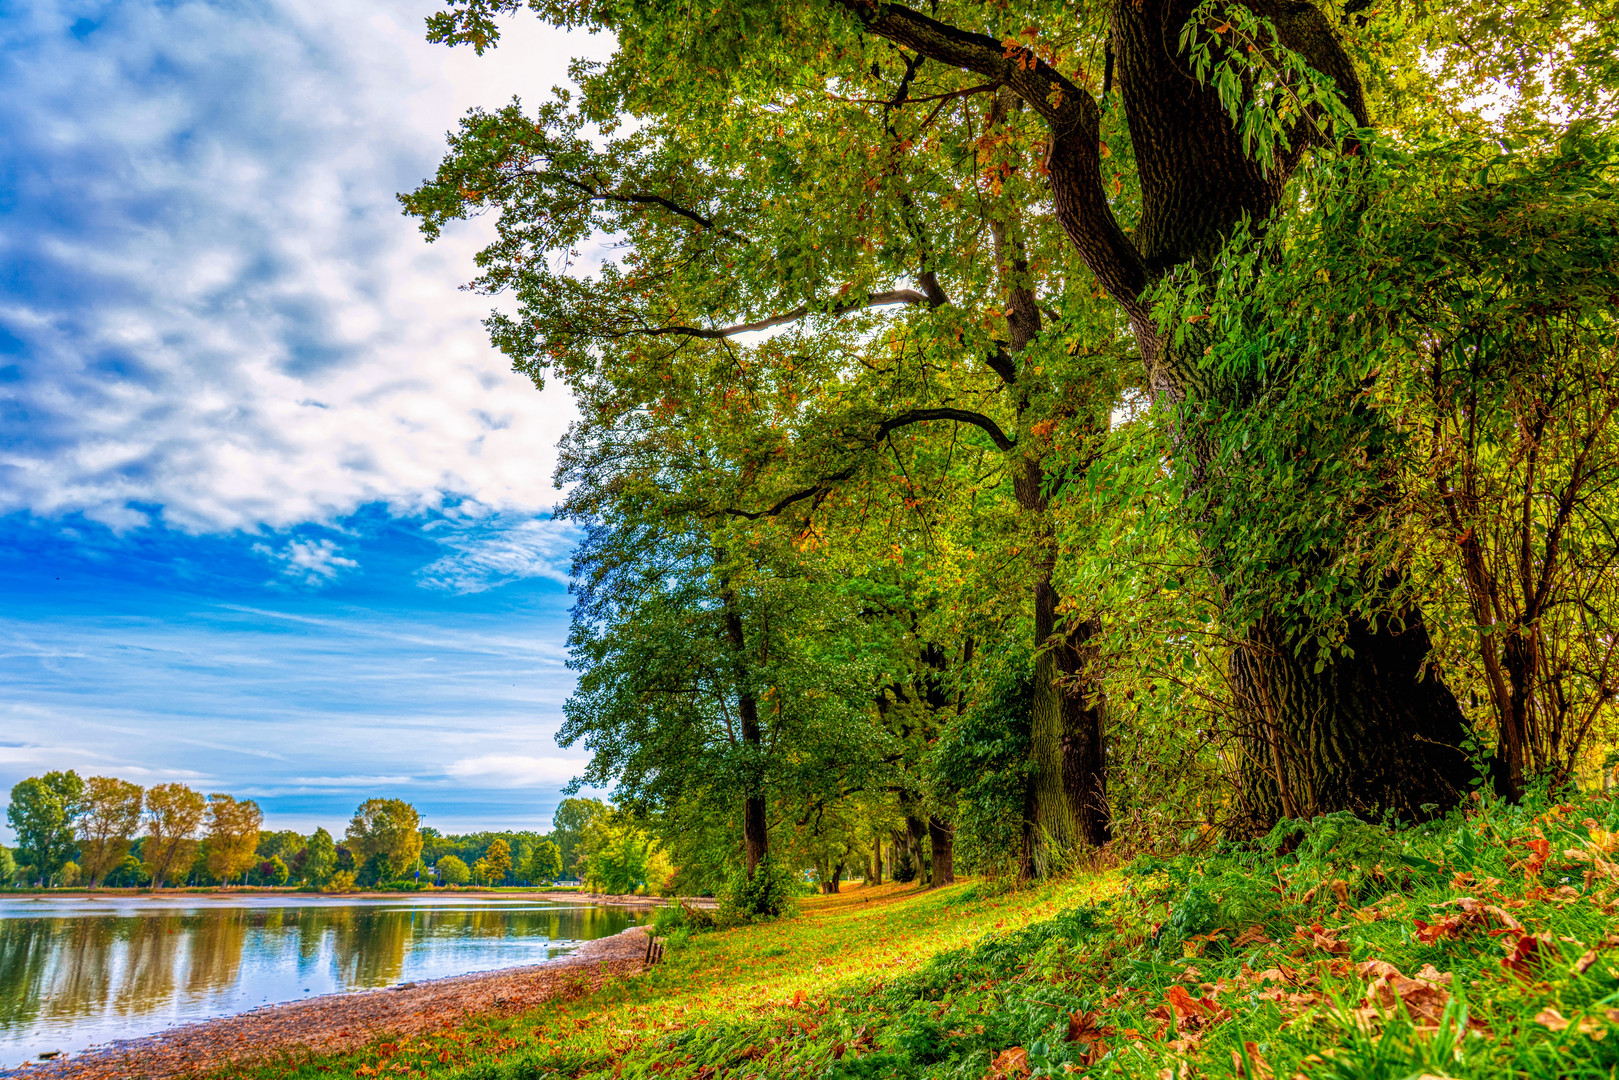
(344, 1021)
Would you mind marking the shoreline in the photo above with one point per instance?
(336, 1022)
(258, 892)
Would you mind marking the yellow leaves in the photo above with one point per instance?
(1589, 1026)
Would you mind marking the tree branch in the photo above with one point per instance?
(642, 199)
(823, 487)
(963, 416)
(882, 299)
(1073, 160)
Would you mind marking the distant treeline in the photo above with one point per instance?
(102, 831)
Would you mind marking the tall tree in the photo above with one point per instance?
(1138, 135)
(319, 857)
(174, 814)
(233, 836)
(107, 825)
(42, 813)
(390, 829)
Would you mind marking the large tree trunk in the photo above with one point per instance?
(943, 838)
(1374, 730)
(1376, 733)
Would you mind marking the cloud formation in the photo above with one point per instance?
(213, 315)
(312, 562)
(490, 552)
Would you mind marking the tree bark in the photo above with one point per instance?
(916, 831)
(943, 838)
(755, 838)
(1372, 735)
(1067, 715)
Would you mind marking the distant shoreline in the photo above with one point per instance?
(216, 893)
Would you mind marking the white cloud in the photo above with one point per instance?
(515, 770)
(312, 562)
(224, 321)
(487, 553)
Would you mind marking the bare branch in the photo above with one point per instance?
(882, 299)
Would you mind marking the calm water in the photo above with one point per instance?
(78, 972)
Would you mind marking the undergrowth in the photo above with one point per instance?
(1480, 945)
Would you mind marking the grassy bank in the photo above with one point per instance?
(1481, 946)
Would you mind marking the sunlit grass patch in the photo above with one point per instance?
(1482, 945)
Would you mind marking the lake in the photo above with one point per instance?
(83, 971)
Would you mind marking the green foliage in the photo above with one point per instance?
(319, 858)
(452, 871)
(771, 893)
(8, 865)
(981, 763)
(617, 856)
(129, 874)
(568, 825)
(544, 862)
(384, 835)
(42, 812)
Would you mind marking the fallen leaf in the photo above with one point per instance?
(1009, 1063)
(1261, 1068)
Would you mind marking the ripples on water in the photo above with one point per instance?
(79, 972)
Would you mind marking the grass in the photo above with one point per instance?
(1482, 945)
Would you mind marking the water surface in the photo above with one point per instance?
(83, 971)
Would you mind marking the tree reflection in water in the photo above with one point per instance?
(90, 972)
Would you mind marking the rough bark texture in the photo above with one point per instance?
(916, 834)
(1378, 734)
(1373, 730)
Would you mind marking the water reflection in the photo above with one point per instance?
(75, 973)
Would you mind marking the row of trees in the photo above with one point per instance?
(106, 831)
(71, 829)
(1010, 429)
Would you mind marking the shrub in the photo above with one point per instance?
(342, 881)
(771, 893)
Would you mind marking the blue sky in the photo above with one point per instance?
(273, 514)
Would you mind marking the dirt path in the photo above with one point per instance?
(343, 1021)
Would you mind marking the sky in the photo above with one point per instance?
(274, 516)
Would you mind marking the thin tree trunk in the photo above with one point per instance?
(943, 838)
(755, 840)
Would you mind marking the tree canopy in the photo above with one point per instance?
(1140, 419)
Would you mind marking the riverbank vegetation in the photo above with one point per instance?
(1478, 945)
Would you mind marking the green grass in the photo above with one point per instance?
(1484, 945)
